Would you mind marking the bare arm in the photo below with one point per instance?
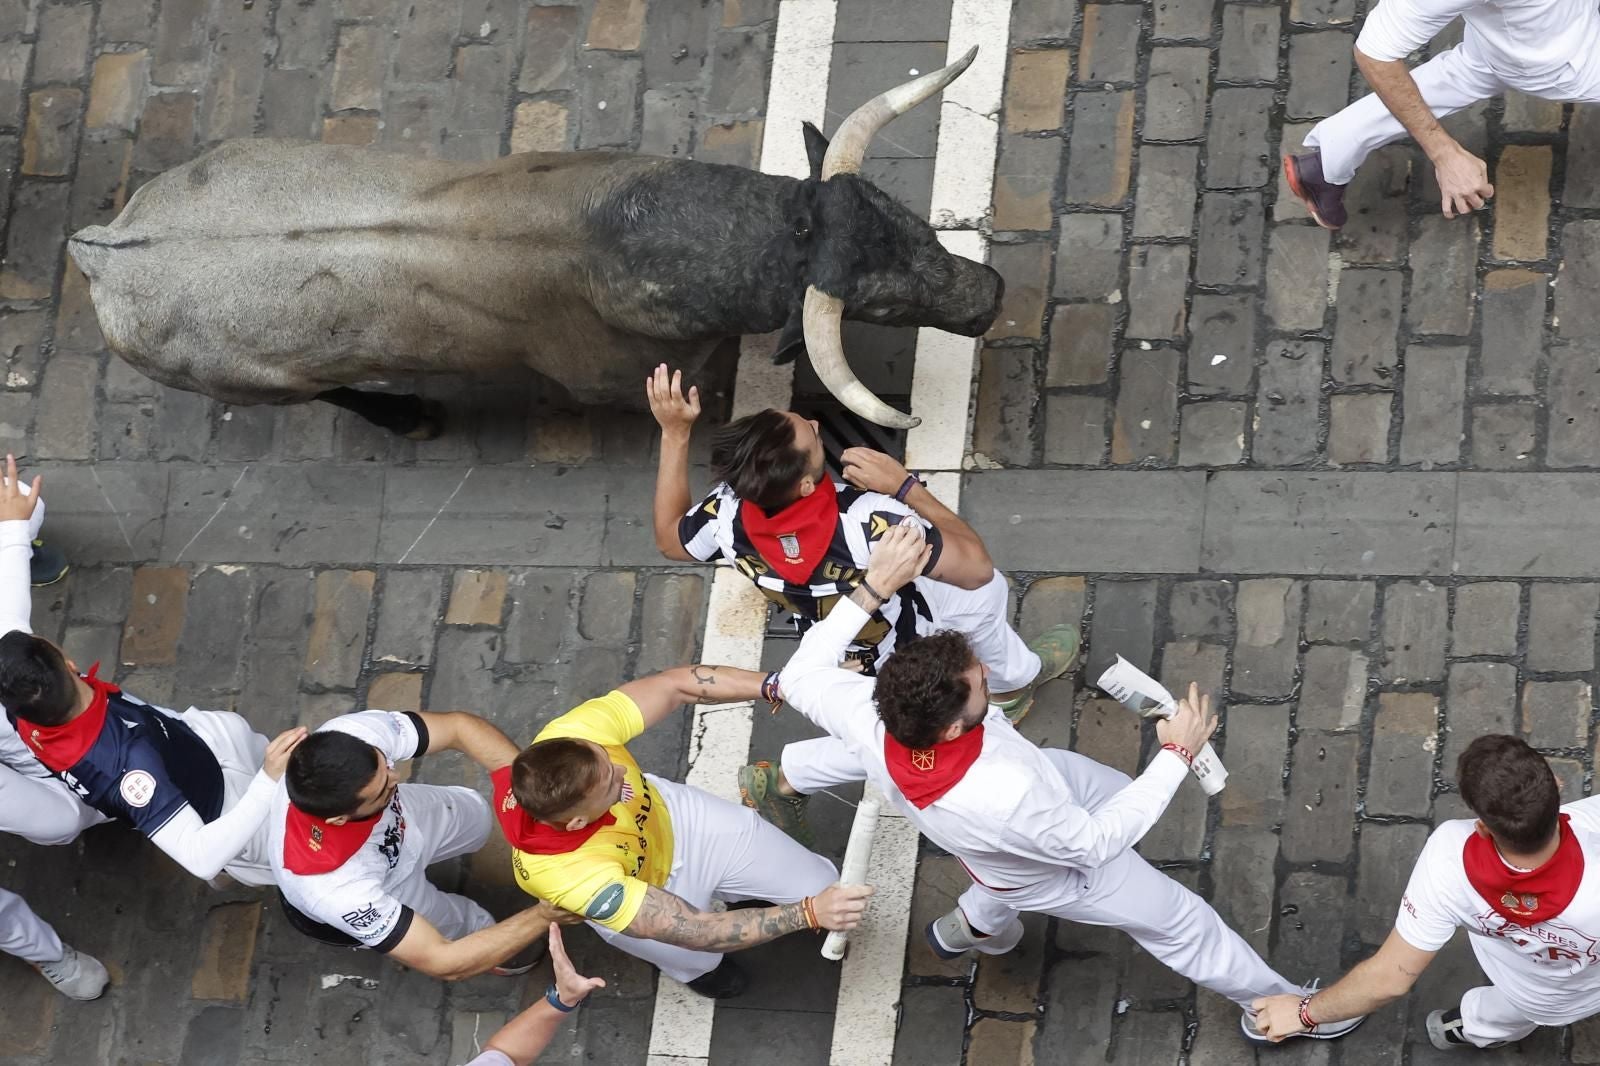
(669, 919)
(660, 694)
(1463, 177)
(424, 948)
(676, 415)
(964, 561)
(1371, 984)
(477, 738)
(529, 1033)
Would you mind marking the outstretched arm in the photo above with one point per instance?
(425, 948)
(17, 505)
(964, 560)
(676, 415)
(1371, 984)
(660, 694)
(669, 919)
(477, 738)
(523, 1038)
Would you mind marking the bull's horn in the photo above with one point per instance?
(849, 145)
(822, 316)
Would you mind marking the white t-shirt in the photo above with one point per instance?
(1515, 37)
(1547, 970)
(353, 896)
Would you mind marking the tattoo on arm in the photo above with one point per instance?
(667, 918)
(864, 599)
(706, 678)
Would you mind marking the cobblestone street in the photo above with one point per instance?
(1348, 483)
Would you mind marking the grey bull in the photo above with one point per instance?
(277, 272)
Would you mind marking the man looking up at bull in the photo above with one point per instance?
(778, 517)
(1049, 831)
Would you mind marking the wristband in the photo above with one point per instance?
(1179, 750)
(552, 997)
(769, 691)
(809, 909)
(905, 487)
(1305, 1014)
(874, 593)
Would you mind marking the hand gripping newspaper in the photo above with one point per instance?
(1148, 698)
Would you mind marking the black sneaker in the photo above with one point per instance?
(725, 982)
(48, 565)
(1323, 199)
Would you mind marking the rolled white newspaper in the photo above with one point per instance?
(1149, 698)
(857, 855)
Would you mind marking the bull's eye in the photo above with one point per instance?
(801, 229)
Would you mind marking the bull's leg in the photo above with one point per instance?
(409, 416)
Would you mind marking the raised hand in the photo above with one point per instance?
(16, 500)
(674, 411)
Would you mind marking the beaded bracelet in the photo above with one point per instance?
(1181, 751)
(1305, 1014)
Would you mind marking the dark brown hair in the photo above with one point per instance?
(553, 776)
(920, 688)
(1510, 787)
(758, 458)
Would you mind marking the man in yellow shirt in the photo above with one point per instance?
(642, 858)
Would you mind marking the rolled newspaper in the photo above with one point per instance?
(1148, 698)
(857, 855)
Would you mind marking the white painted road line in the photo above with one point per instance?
(680, 1029)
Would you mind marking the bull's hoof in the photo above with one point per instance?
(430, 421)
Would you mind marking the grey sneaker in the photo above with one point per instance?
(951, 936)
(1322, 1031)
(1444, 1031)
(76, 975)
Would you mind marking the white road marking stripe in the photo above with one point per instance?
(680, 1030)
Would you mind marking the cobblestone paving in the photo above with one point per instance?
(1359, 624)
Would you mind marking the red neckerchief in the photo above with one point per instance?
(529, 834)
(312, 845)
(1525, 899)
(925, 774)
(794, 540)
(60, 747)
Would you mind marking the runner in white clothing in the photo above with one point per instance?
(1048, 831)
(1523, 880)
(1546, 48)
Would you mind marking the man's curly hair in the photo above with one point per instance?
(920, 688)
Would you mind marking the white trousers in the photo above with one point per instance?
(1173, 924)
(25, 934)
(42, 809)
(1448, 82)
(450, 820)
(722, 851)
(1488, 1018)
(982, 616)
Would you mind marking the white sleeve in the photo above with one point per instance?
(1061, 831)
(204, 849)
(367, 912)
(16, 595)
(392, 732)
(1424, 919)
(836, 700)
(1396, 28)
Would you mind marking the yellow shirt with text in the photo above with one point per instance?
(604, 878)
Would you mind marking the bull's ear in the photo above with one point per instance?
(792, 338)
(816, 148)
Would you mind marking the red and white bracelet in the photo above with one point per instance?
(1305, 1014)
(1179, 750)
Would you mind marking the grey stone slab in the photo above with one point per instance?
(1405, 734)
(1222, 342)
(1267, 642)
(1255, 746)
(1320, 813)
(1129, 522)
(1079, 1011)
(1212, 433)
(547, 516)
(862, 70)
(1485, 619)
(1555, 714)
(1574, 399)
(1416, 618)
(1164, 203)
(1229, 249)
(298, 514)
(1080, 344)
(1443, 277)
(1333, 691)
(1249, 51)
(411, 603)
(1377, 201)
(1364, 336)
(1110, 49)
(1388, 853)
(1561, 626)
(1182, 19)
(1297, 276)
(1479, 698)
(1007, 409)
(542, 601)
(1075, 430)
(1175, 93)
(1158, 276)
(1041, 20)
(1244, 897)
(1340, 612)
(1504, 436)
(1582, 187)
(1089, 256)
(1358, 427)
(1288, 403)
(105, 512)
(1123, 624)
(1200, 608)
(1527, 525)
(1513, 327)
(1431, 404)
(1319, 74)
(1099, 151)
(932, 1026)
(1236, 147)
(1577, 311)
(608, 98)
(890, 20)
(1309, 523)
(1145, 423)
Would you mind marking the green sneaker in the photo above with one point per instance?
(758, 788)
(1057, 648)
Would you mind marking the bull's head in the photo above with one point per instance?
(871, 259)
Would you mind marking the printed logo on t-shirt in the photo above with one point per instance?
(361, 919)
(606, 903)
(138, 788)
(1546, 942)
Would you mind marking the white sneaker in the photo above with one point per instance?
(1322, 1031)
(76, 975)
(951, 936)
